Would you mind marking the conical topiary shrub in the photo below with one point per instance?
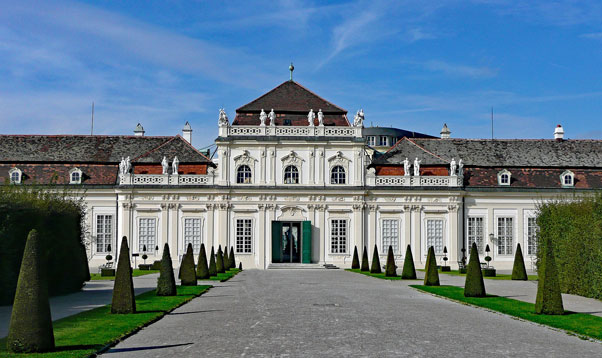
(226, 259)
(240, 266)
(548, 300)
(355, 264)
(519, 272)
(231, 258)
(391, 269)
(365, 264)
(219, 260)
(166, 284)
(431, 276)
(212, 264)
(409, 271)
(375, 268)
(188, 273)
(30, 329)
(474, 285)
(202, 268)
(124, 300)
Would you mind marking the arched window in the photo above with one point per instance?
(75, 176)
(243, 175)
(337, 175)
(291, 175)
(15, 176)
(504, 177)
(567, 179)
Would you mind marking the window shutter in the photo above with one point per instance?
(306, 257)
(276, 241)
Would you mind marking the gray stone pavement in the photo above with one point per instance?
(333, 313)
(95, 294)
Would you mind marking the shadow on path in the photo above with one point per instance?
(119, 350)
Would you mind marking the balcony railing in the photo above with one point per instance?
(290, 131)
(166, 179)
(438, 181)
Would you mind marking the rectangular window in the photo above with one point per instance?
(475, 234)
(505, 235)
(383, 140)
(104, 233)
(244, 235)
(371, 140)
(434, 234)
(532, 230)
(390, 235)
(192, 234)
(338, 236)
(147, 234)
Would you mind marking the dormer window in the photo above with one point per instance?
(371, 140)
(75, 176)
(504, 177)
(567, 179)
(15, 175)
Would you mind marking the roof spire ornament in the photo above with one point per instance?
(291, 68)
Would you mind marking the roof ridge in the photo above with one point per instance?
(193, 148)
(427, 151)
(152, 150)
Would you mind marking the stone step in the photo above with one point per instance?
(293, 266)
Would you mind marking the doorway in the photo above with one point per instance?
(291, 242)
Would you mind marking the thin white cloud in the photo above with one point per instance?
(459, 70)
(592, 35)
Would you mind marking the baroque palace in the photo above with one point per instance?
(295, 181)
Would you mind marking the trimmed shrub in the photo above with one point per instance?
(30, 328)
(187, 268)
(474, 286)
(519, 272)
(219, 260)
(124, 300)
(240, 266)
(431, 276)
(375, 268)
(226, 259)
(212, 264)
(231, 258)
(549, 299)
(355, 264)
(365, 264)
(391, 269)
(166, 284)
(202, 268)
(409, 271)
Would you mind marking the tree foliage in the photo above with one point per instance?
(409, 271)
(166, 283)
(365, 264)
(355, 263)
(431, 275)
(202, 267)
(390, 269)
(188, 273)
(474, 286)
(124, 300)
(519, 272)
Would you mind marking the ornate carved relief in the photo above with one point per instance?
(292, 159)
(292, 213)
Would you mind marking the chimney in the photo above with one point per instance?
(559, 133)
(139, 131)
(187, 132)
(445, 132)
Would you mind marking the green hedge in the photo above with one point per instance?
(58, 221)
(575, 230)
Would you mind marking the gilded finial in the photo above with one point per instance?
(291, 68)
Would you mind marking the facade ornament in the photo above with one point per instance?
(311, 116)
(358, 120)
(272, 117)
(262, 118)
(164, 164)
(223, 118)
(320, 118)
(174, 166)
(452, 167)
(417, 167)
(460, 168)
(406, 167)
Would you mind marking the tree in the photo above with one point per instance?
(548, 300)
(431, 276)
(391, 269)
(219, 260)
(231, 258)
(365, 264)
(409, 271)
(124, 300)
(202, 269)
(240, 266)
(519, 272)
(226, 259)
(474, 285)
(30, 327)
(375, 268)
(212, 264)
(166, 284)
(355, 264)
(188, 277)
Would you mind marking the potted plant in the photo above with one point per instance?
(462, 266)
(106, 271)
(445, 268)
(488, 271)
(144, 266)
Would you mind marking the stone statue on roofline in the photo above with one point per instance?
(272, 117)
(174, 166)
(320, 118)
(311, 116)
(417, 167)
(358, 120)
(223, 118)
(460, 168)
(406, 167)
(452, 167)
(127, 165)
(164, 165)
(262, 118)
(122, 166)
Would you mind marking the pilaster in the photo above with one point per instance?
(323, 230)
(262, 238)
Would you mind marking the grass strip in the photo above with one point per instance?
(223, 277)
(498, 276)
(377, 275)
(135, 273)
(580, 323)
(88, 332)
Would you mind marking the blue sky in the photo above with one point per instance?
(409, 64)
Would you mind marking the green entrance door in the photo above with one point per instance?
(291, 241)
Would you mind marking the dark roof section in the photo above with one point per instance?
(95, 149)
(394, 132)
(291, 103)
(499, 152)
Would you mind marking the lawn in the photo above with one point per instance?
(135, 273)
(87, 332)
(223, 277)
(497, 277)
(377, 275)
(580, 323)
